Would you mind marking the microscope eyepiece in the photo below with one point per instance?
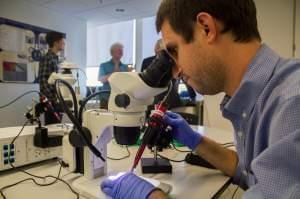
(159, 72)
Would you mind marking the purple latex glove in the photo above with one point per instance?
(127, 186)
(181, 130)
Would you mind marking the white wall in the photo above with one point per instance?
(150, 36)
(275, 22)
(212, 115)
(146, 37)
(74, 28)
(100, 39)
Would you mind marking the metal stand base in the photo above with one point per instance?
(152, 165)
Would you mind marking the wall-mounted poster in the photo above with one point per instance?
(21, 47)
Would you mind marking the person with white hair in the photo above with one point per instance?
(109, 67)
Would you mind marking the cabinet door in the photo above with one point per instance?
(275, 22)
(297, 28)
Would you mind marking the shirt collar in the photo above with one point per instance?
(254, 81)
(51, 53)
(111, 61)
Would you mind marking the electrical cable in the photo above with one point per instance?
(16, 99)
(32, 175)
(234, 192)
(73, 118)
(188, 151)
(171, 160)
(84, 102)
(40, 184)
(227, 143)
(228, 146)
(122, 158)
(163, 101)
(74, 98)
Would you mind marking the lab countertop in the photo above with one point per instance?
(186, 180)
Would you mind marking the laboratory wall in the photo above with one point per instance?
(276, 24)
(29, 13)
(146, 37)
(297, 29)
(150, 36)
(100, 39)
(138, 37)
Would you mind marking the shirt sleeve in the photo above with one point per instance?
(143, 67)
(102, 71)
(45, 70)
(277, 168)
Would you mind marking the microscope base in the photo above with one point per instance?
(152, 165)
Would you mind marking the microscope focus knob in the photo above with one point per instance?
(122, 100)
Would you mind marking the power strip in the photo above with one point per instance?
(23, 152)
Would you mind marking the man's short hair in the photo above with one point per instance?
(114, 46)
(237, 17)
(52, 37)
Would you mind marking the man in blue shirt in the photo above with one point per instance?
(107, 68)
(217, 48)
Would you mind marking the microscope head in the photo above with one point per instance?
(131, 93)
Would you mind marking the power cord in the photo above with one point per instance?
(171, 160)
(122, 158)
(226, 145)
(17, 98)
(32, 175)
(181, 151)
(233, 195)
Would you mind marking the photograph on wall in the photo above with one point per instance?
(21, 48)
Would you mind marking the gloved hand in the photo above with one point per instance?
(181, 130)
(127, 186)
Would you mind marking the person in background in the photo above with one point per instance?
(48, 65)
(107, 68)
(217, 48)
(147, 61)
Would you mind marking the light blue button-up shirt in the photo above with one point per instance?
(265, 113)
(108, 68)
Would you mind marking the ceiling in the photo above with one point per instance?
(98, 12)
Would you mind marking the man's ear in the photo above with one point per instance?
(208, 26)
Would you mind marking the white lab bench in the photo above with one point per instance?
(187, 181)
